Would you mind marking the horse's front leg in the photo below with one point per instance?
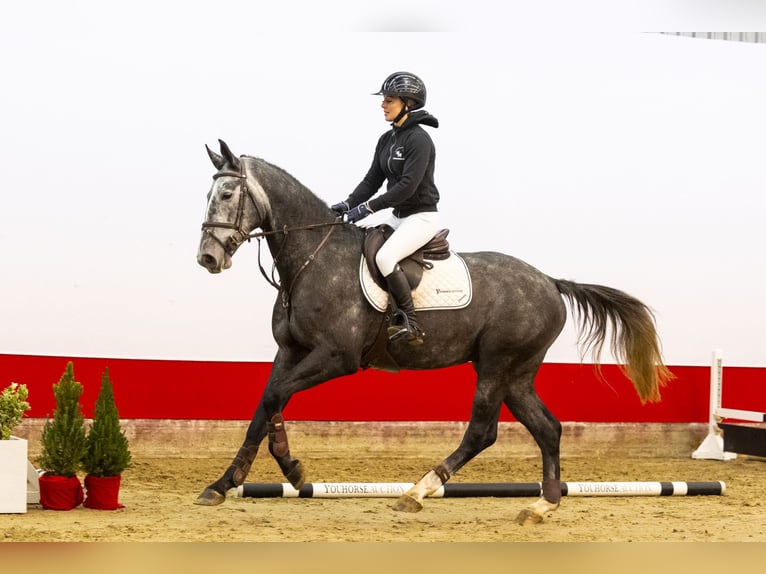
(286, 379)
(240, 466)
(280, 450)
(237, 472)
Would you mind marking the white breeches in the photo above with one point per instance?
(410, 234)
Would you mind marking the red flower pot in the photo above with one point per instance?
(103, 492)
(60, 492)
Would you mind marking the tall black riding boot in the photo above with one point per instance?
(404, 324)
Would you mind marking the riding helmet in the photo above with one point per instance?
(406, 86)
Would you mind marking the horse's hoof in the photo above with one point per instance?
(296, 476)
(406, 503)
(210, 497)
(528, 516)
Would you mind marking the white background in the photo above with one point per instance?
(570, 137)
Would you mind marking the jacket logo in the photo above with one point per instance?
(399, 153)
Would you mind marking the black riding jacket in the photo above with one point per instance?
(405, 156)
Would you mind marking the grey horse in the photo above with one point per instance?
(324, 326)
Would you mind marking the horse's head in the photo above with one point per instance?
(236, 205)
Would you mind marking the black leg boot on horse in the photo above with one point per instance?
(404, 323)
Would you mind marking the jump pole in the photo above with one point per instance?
(713, 447)
(466, 490)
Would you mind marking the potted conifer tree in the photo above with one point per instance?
(63, 444)
(107, 454)
(13, 450)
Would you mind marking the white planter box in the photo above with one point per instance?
(13, 476)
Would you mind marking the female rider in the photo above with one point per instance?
(405, 156)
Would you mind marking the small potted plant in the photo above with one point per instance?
(13, 450)
(63, 447)
(107, 454)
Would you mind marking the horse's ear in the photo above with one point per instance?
(229, 157)
(217, 160)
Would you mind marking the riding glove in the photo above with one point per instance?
(340, 208)
(359, 212)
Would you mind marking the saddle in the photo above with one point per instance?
(436, 249)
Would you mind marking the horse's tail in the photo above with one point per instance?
(634, 340)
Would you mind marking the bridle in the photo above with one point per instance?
(240, 235)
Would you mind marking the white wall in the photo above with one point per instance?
(590, 149)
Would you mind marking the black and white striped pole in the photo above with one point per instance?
(465, 490)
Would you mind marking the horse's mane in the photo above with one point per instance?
(286, 182)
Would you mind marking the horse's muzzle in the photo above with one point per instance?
(213, 264)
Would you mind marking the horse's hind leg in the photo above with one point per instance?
(480, 434)
(530, 411)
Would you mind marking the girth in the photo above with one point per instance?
(413, 266)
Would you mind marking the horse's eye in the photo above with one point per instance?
(227, 195)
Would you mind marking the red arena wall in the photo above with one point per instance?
(173, 389)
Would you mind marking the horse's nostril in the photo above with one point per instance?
(207, 260)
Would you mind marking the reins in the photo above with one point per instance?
(285, 231)
(239, 236)
(286, 294)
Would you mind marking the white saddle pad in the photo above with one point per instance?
(446, 286)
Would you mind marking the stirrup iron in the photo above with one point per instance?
(401, 328)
